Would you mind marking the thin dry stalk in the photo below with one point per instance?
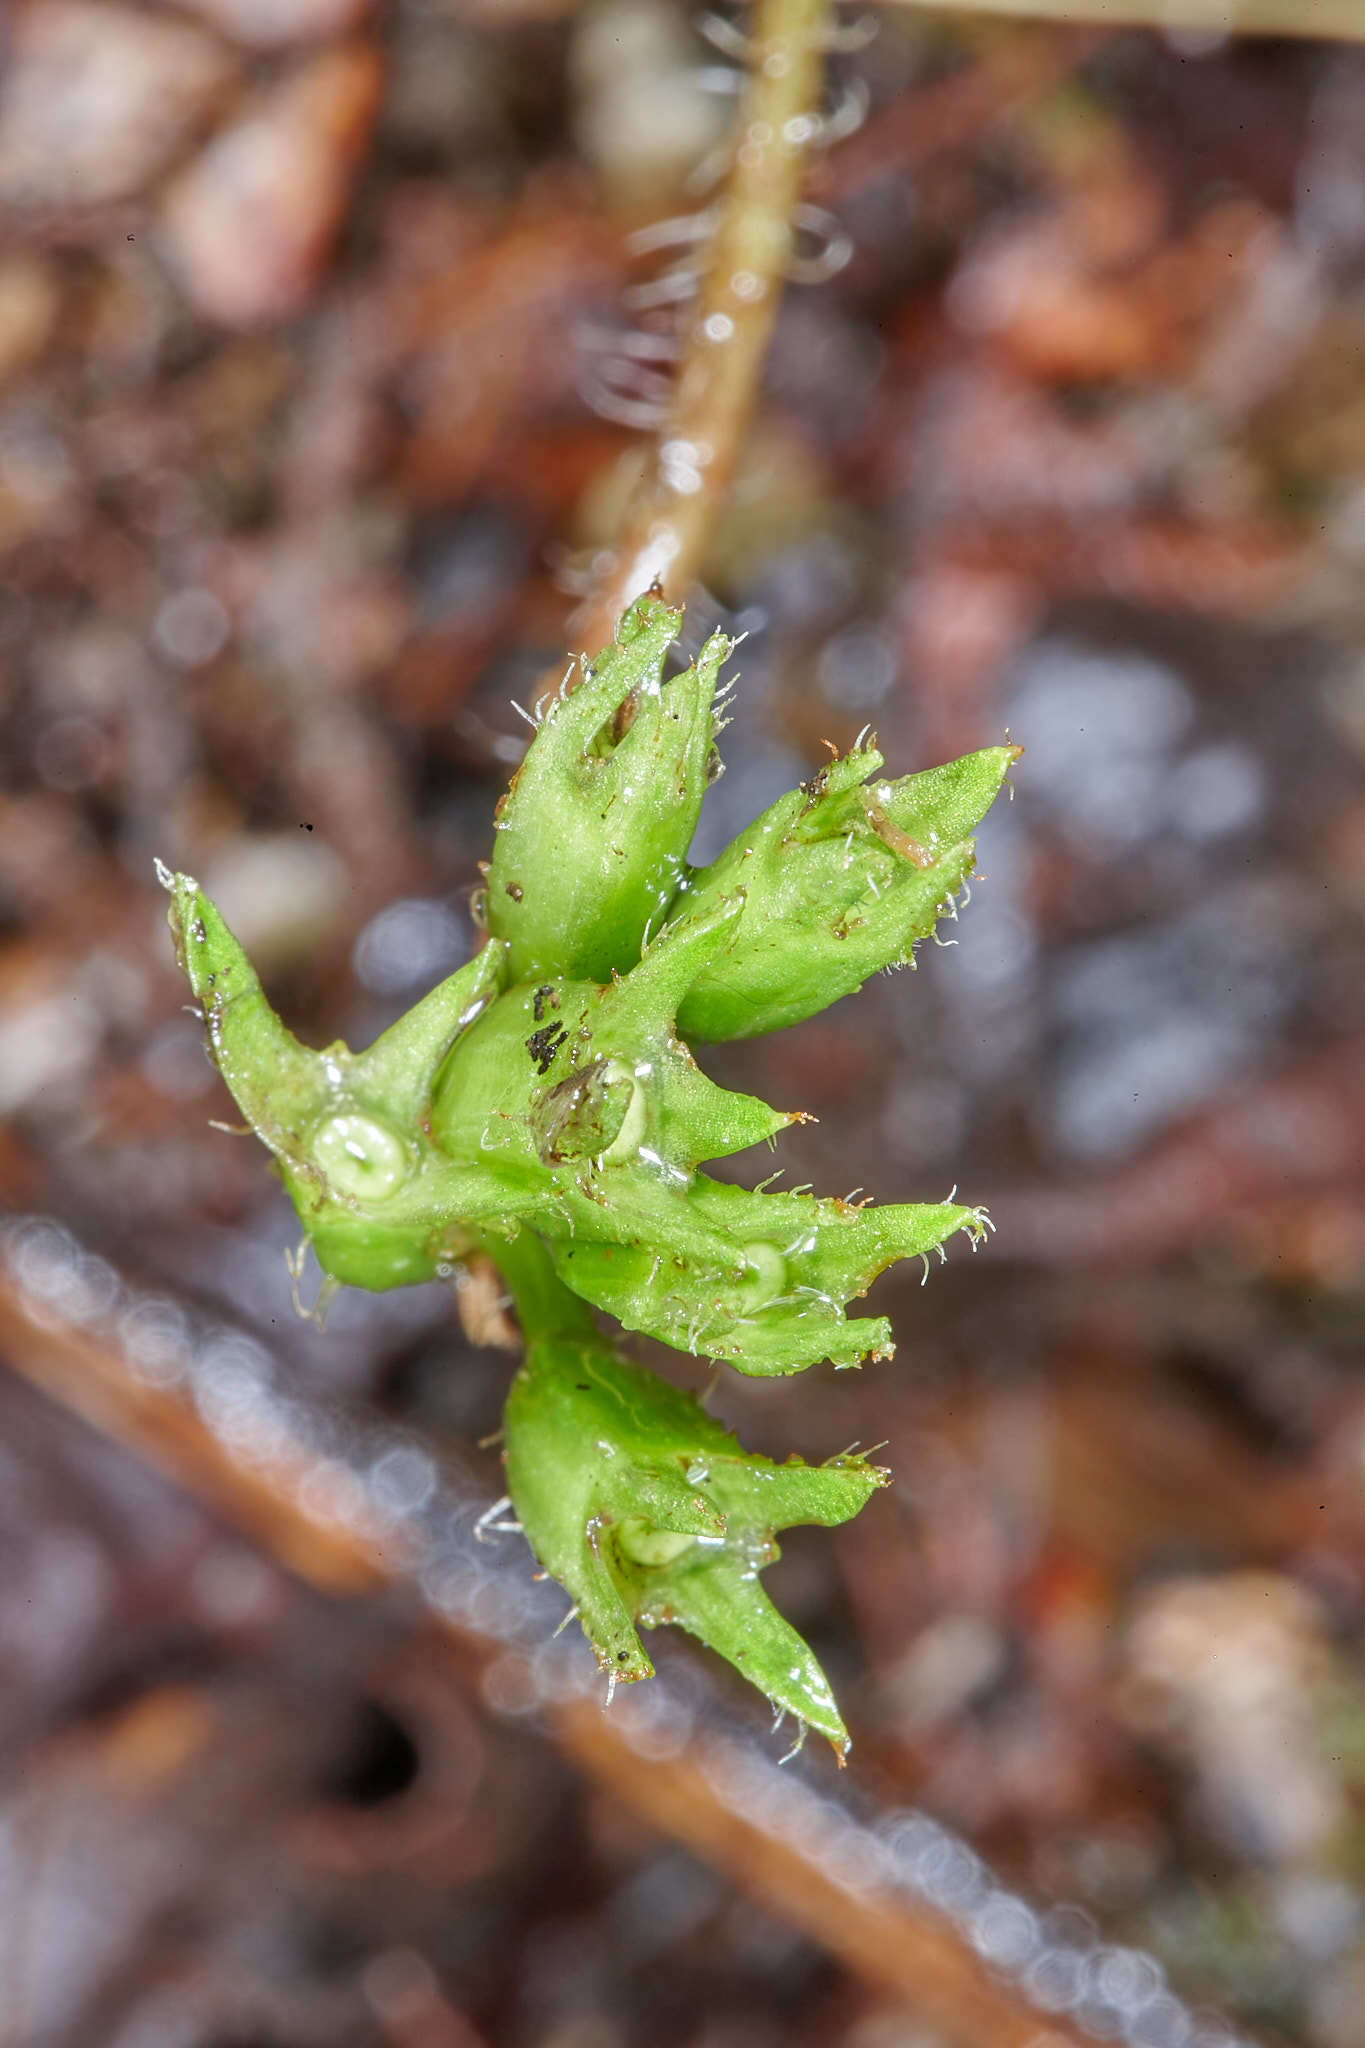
(1340, 18)
(915, 1957)
(690, 1795)
(670, 518)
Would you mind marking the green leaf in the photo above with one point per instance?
(593, 835)
(380, 1204)
(840, 878)
(648, 1512)
(758, 1280)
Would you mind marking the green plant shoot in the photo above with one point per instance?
(541, 1107)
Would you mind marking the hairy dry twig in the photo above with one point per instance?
(670, 517)
(707, 1788)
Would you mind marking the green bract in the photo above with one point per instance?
(647, 1511)
(380, 1204)
(541, 1106)
(592, 836)
(839, 879)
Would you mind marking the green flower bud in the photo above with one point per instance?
(840, 878)
(648, 1512)
(380, 1205)
(593, 834)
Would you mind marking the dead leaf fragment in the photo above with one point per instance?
(250, 223)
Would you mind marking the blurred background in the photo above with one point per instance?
(330, 336)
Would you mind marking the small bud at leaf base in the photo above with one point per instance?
(593, 835)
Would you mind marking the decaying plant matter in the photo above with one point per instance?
(541, 1106)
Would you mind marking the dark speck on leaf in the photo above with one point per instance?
(544, 1044)
(515, 891)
